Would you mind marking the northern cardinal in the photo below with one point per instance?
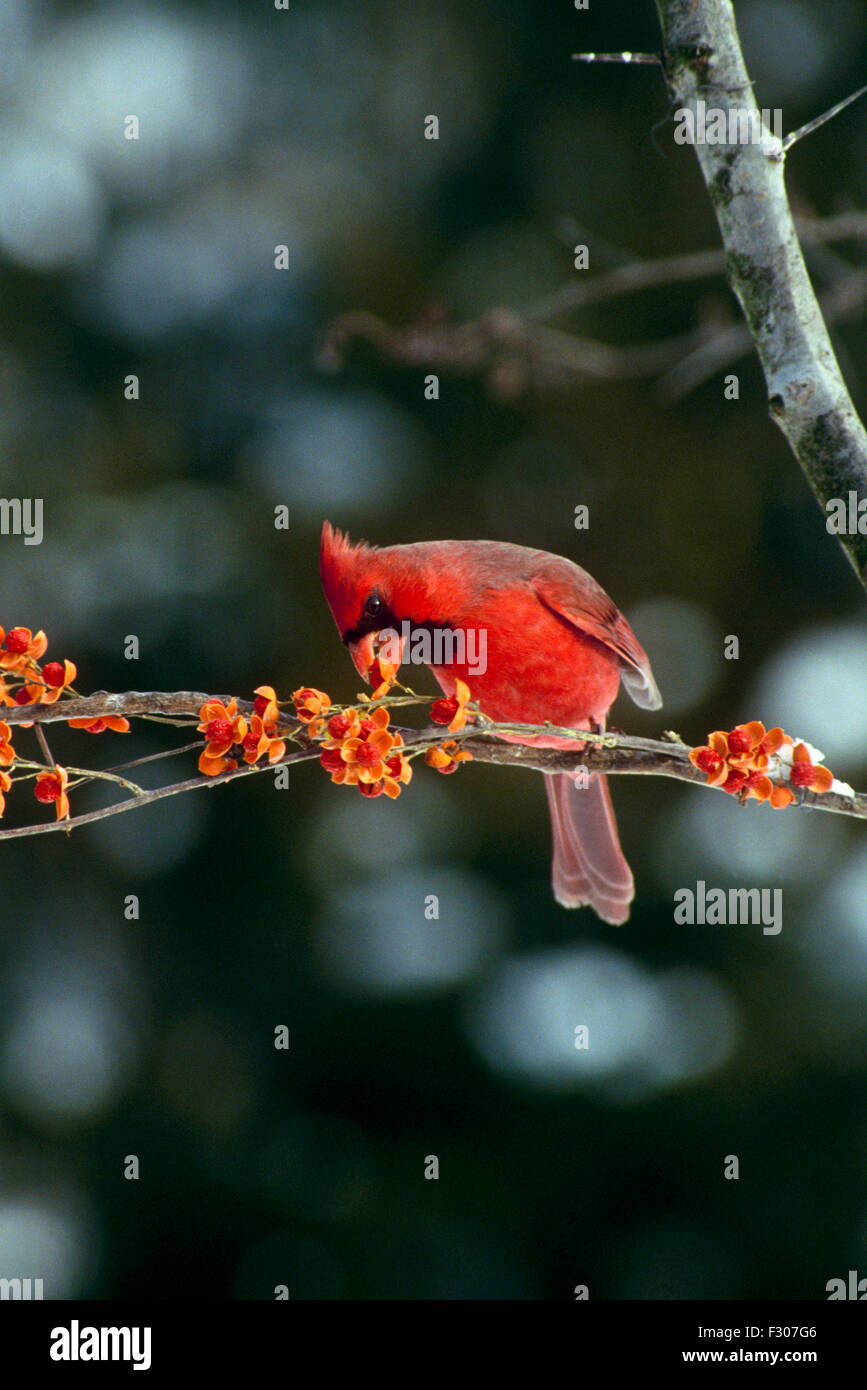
(557, 648)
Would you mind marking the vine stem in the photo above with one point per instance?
(610, 752)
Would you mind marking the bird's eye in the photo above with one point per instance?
(373, 606)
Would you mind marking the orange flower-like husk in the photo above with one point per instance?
(822, 780)
(755, 731)
(215, 709)
(774, 740)
(388, 673)
(822, 776)
(253, 755)
(50, 693)
(214, 752)
(310, 703)
(100, 724)
(34, 693)
(781, 797)
(391, 782)
(271, 713)
(351, 732)
(762, 789)
(718, 743)
(382, 741)
(212, 767)
(346, 776)
(444, 754)
(61, 777)
(763, 745)
(405, 773)
(462, 695)
(380, 717)
(17, 662)
(7, 752)
(777, 796)
(274, 747)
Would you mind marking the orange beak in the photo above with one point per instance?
(363, 653)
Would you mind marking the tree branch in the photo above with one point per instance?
(681, 269)
(518, 351)
(806, 392)
(609, 752)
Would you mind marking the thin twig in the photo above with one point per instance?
(156, 757)
(624, 57)
(637, 275)
(735, 341)
(147, 798)
(89, 774)
(43, 744)
(810, 126)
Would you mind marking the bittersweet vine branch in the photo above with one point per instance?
(609, 752)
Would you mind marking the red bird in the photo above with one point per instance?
(556, 650)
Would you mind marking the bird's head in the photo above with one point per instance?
(358, 584)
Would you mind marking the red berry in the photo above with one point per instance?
(367, 755)
(17, 640)
(219, 731)
(708, 760)
(98, 726)
(452, 767)
(443, 711)
(802, 774)
(54, 674)
(340, 724)
(47, 789)
(260, 704)
(734, 782)
(251, 743)
(23, 696)
(331, 760)
(739, 741)
(372, 788)
(754, 779)
(367, 727)
(393, 765)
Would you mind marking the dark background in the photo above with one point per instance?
(305, 907)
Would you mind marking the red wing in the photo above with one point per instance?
(574, 595)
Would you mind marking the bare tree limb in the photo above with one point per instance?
(514, 353)
(745, 181)
(682, 269)
(518, 352)
(102, 704)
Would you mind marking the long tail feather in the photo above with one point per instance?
(589, 867)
